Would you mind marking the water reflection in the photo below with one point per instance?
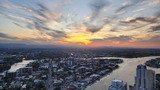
(126, 72)
(16, 66)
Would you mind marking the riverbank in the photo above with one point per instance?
(154, 63)
(19, 65)
(126, 72)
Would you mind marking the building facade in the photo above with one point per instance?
(118, 85)
(145, 79)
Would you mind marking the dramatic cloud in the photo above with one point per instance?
(155, 28)
(94, 24)
(18, 25)
(143, 19)
(33, 18)
(123, 7)
(58, 34)
(153, 40)
(141, 22)
(6, 36)
(96, 21)
(80, 21)
(121, 38)
(94, 27)
(96, 7)
(128, 4)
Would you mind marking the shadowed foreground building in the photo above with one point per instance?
(118, 85)
(144, 80)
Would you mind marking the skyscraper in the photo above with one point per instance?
(144, 79)
(118, 85)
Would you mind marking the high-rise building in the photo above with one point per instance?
(145, 79)
(151, 79)
(118, 85)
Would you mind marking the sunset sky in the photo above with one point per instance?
(117, 23)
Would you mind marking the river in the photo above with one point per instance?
(19, 65)
(125, 72)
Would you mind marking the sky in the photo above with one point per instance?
(94, 23)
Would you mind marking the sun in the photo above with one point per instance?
(81, 38)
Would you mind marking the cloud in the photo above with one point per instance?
(96, 7)
(6, 36)
(141, 23)
(123, 7)
(18, 25)
(36, 17)
(96, 21)
(128, 4)
(121, 38)
(55, 23)
(152, 40)
(140, 20)
(94, 24)
(94, 27)
(58, 34)
(155, 39)
(155, 28)
(144, 19)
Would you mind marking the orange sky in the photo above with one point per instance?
(81, 23)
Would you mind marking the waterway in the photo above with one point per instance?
(19, 65)
(126, 72)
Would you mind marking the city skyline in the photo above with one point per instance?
(93, 23)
